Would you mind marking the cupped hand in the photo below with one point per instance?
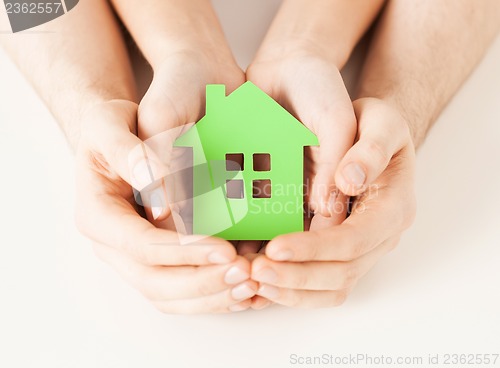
(319, 268)
(178, 273)
(310, 87)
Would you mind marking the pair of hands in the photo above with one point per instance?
(190, 274)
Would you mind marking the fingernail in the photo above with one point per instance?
(238, 307)
(266, 275)
(242, 291)
(268, 291)
(143, 175)
(218, 258)
(235, 275)
(354, 174)
(282, 255)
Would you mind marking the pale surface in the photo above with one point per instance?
(439, 291)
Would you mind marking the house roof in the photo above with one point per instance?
(248, 115)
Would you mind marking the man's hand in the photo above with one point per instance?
(298, 65)
(320, 267)
(179, 274)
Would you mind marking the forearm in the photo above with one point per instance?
(163, 28)
(330, 28)
(74, 62)
(421, 53)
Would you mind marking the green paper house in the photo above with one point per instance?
(248, 155)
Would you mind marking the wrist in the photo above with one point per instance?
(329, 28)
(192, 52)
(162, 28)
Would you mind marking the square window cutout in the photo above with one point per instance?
(235, 162)
(261, 188)
(261, 162)
(235, 189)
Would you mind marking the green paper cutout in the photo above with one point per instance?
(246, 122)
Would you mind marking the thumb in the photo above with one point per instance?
(382, 132)
(109, 133)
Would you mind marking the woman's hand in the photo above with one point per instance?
(179, 274)
(177, 97)
(320, 267)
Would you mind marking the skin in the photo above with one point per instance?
(114, 135)
(97, 107)
(411, 72)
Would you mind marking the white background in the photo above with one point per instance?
(438, 292)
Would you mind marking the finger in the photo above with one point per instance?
(318, 275)
(344, 242)
(377, 215)
(259, 303)
(181, 282)
(302, 298)
(382, 133)
(111, 220)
